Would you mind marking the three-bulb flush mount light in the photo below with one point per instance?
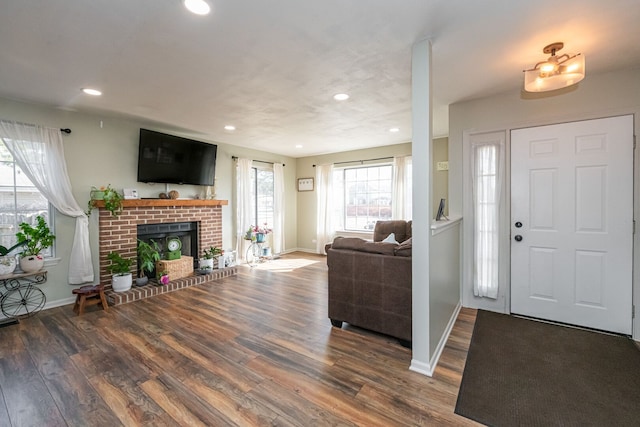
(556, 72)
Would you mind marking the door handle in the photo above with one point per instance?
(518, 238)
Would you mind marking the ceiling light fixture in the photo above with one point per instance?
(199, 7)
(394, 130)
(556, 72)
(341, 97)
(92, 92)
(229, 127)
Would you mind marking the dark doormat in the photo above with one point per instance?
(525, 373)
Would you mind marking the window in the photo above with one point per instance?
(20, 200)
(363, 195)
(262, 196)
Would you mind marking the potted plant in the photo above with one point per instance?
(148, 254)
(257, 234)
(35, 240)
(8, 262)
(206, 262)
(120, 269)
(111, 198)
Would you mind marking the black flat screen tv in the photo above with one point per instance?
(175, 160)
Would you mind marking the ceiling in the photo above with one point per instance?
(271, 68)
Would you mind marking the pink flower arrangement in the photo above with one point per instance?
(264, 229)
(164, 279)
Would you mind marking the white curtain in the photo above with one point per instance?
(278, 208)
(487, 178)
(324, 226)
(243, 204)
(40, 154)
(401, 203)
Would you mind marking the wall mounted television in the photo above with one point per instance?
(175, 160)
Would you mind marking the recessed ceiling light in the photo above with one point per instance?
(299, 146)
(199, 7)
(394, 130)
(89, 91)
(229, 127)
(341, 97)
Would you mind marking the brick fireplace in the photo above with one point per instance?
(120, 233)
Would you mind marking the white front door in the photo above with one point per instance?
(572, 223)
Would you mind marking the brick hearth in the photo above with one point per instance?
(120, 233)
(140, 292)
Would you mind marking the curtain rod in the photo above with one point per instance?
(361, 161)
(63, 130)
(259, 161)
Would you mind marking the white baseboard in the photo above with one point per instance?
(309, 251)
(51, 304)
(59, 303)
(429, 368)
(421, 368)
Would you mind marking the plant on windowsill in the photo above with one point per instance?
(148, 255)
(120, 269)
(35, 240)
(111, 198)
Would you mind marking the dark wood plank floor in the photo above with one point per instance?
(253, 349)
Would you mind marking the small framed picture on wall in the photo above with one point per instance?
(305, 184)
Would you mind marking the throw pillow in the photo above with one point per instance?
(391, 238)
(404, 248)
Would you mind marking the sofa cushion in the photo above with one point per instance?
(383, 248)
(357, 244)
(404, 248)
(353, 243)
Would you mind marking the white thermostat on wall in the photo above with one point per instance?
(442, 166)
(130, 193)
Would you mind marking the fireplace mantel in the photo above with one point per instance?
(137, 203)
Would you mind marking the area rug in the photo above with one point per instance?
(522, 372)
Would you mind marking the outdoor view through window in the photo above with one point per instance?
(362, 196)
(262, 197)
(20, 200)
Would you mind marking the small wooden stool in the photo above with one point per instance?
(87, 296)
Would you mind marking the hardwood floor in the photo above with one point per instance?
(253, 349)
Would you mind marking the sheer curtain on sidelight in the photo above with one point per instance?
(40, 154)
(487, 175)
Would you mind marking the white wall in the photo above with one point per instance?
(610, 94)
(104, 150)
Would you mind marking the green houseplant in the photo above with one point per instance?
(206, 262)
(112, 200)
(148, 255)
(35, 239)
(120, 268)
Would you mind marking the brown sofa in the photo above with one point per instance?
(370, 282)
